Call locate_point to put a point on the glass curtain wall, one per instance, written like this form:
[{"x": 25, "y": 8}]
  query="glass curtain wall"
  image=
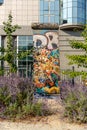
[
  {"x": 1, "y": 1},
  {"x": 74, "y": 11},
  {"x": 25, "y": 65},
  {"x": 49, "y": 11}
]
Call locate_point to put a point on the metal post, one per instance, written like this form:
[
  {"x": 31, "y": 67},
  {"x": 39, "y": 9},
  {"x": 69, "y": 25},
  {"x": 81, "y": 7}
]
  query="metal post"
[{"x": 73, "y": 77}]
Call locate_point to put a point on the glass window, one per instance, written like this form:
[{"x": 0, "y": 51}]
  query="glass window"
[
  {"x": 74, "y": 3},
  {"x": 46, "y": 19},
  {"x": 46, "y": 5},
  {"x": 24, "y": 43},
  {"x": 83, "y": 1},
  {"x": 83, "y": 6},
  {"x": 70, "y": 20},
  {"x": 80, "y": 13},
  {"x": 25, "y": 40},
  {"x": 64, "y": 5},
  {"x": 41, "y": 12},
  {"x": 52, "y": 5},
  {"x": 46, "y": 12},
  {"x": 41, "y": 5},
  {"x": 22, "y": 38},
  {"x": 52, "y": 12},
  {"x": 50, "y": 8},
  {"x": 56, "y": 5},
  {"x": 52, "y": 19},
  {"x": 21, "y": 43},
  {"x": 83, "y": 21},
  {"x": 1, "y": 1},
  {"x": 83, "y": 14},
  {"x": 74, "y": 20},
  {"x": 74, "y": 11},
  {"x": 80, "y": 0},
  {"x": 69, "y": 12},
  {"x": 70, "y": 0},
  {"x": 69, "y": 4},
  {"x": 64, "y": 13},
  {"x": 41, "y": 19},
  {"x": 64, "y": 1},
  {"x": 79, "y": 4},
  {"x": 56, "y": 19},
  {"x": 79, "y": 20},
  {"x": 56, "y": 13},
  {"x": 30, "y": 38},
  {"x": 23, "y": 48}
]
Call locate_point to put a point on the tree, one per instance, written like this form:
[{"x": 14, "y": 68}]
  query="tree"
[
  {"x": 10, "y": 52},
  {"x": 81, "y": 59}
]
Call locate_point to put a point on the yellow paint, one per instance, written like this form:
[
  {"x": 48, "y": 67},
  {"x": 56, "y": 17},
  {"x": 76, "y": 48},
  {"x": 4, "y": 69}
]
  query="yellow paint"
[{"x": 52, "y": 90}]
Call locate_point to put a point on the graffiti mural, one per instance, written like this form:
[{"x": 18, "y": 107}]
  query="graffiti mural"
[{"x": 46, "y": 65}]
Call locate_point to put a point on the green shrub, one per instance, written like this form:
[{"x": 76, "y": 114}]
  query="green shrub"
[
  {"x": 75, "y": 103},
  {"x": 5, "y": 96},
  {"x": 32, "y": 109},
  {"x": 16, "y": 98}
]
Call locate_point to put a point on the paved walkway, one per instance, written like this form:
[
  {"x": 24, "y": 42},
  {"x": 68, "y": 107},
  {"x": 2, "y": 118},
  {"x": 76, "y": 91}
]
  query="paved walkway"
[{"x": 55, "y": 125}]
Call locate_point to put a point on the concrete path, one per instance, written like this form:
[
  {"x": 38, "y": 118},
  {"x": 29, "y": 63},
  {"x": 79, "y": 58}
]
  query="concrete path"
[{"x": 41, "y": 126}]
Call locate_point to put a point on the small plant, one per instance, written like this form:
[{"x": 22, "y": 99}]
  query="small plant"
[
  {"x": 15, "y": 92},
  {"x": 1, "y": 71},
  {"x": 5, "y": 96},
  {"x": 32, "y": 109},
  {"x": 16, "y": 98},
  {"x": 75, "y": 102}
]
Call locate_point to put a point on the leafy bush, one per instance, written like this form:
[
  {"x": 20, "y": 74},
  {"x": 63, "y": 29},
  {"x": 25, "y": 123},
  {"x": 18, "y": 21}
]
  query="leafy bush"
[
  {"x": 33, "y": 109},
  {"x": 14, "y": 93},
  {"x": 75, "y": 101},
  {"x": 16, "y": 98},
  {"x": 14, "y": 111}
]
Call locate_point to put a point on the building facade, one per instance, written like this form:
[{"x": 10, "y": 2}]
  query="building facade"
[{"x": 39, "y": 18}]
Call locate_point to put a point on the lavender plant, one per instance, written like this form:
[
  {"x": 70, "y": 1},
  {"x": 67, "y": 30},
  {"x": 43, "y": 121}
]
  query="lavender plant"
[
  {"x": 75, "y": 101},
  {"x": 15, "y": 92},
  {"x": 16, "y": 98}
]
